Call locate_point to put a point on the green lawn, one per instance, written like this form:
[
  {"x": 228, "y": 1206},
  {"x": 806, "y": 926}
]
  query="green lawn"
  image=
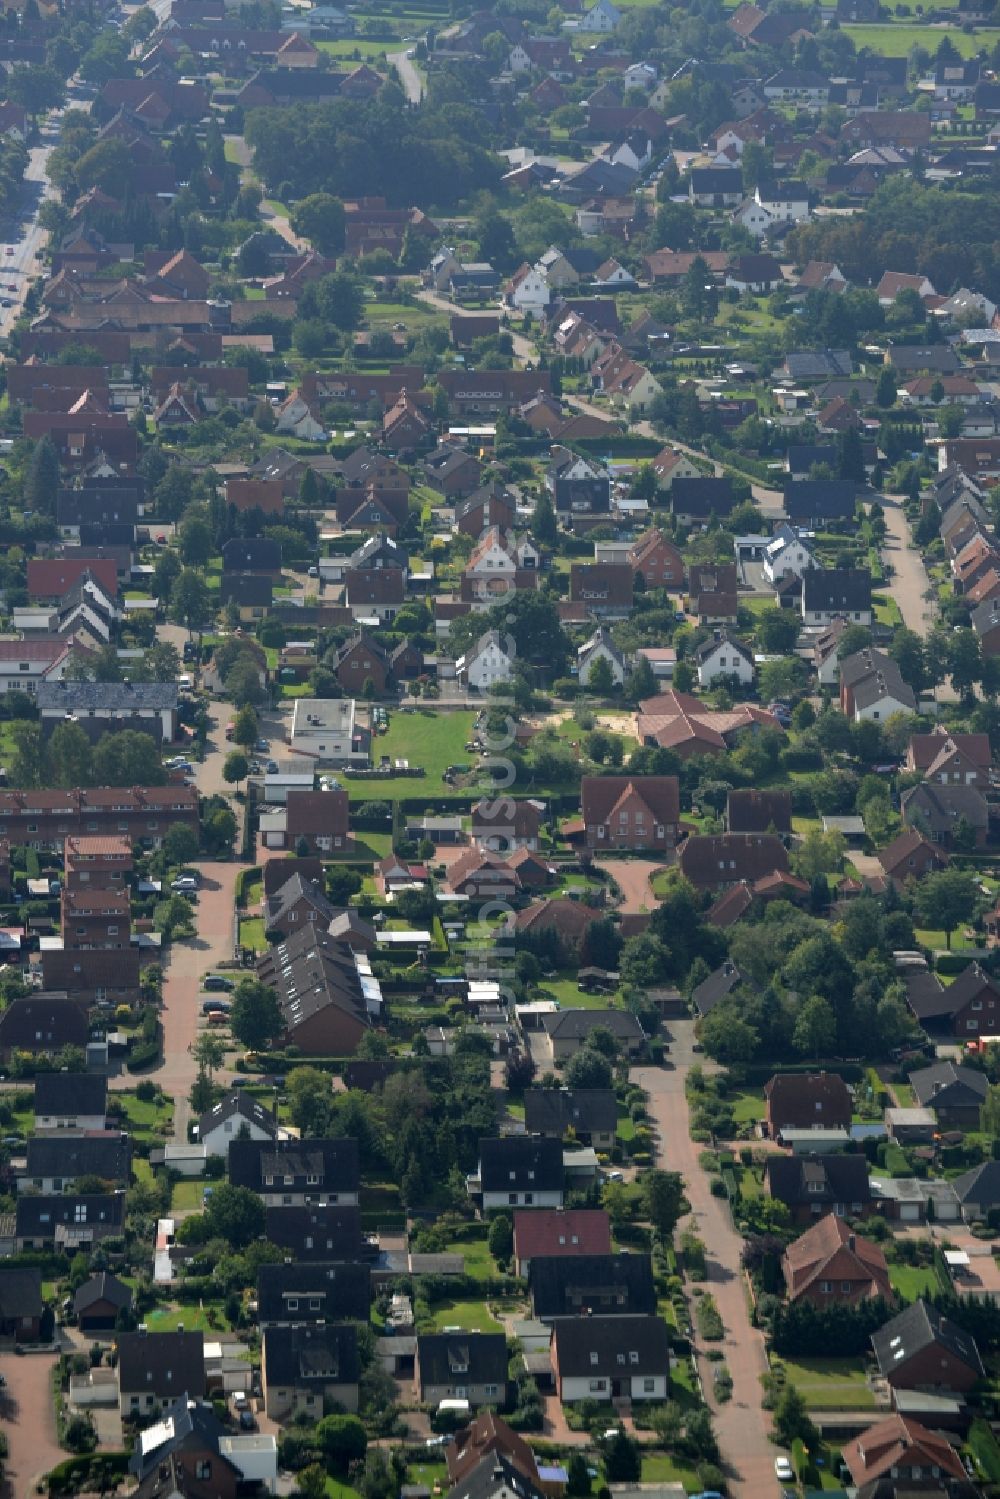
[
  {"x": 658, "y": 1467},
  {"x": 830, "y": 1383},
  {"x": 747, "y": 1107},
  {"x": 567, "y": 994},
  {"x": 428, "y": 738},
  {"x": 146, "y": 1120},
  {"x": 470, "y": 1316},
  {"x": 913, "y": 1281},
  {"x": 187, "y": 1195},
  {"x": 252, "y": 933},
  {"x": 935, "y": 938},
  {"x": 194, "y": 1318},
  {"x": 349, "y": 45},
  {"x": 479, "y": 1263},
  {"x": 897, "y": 41}
]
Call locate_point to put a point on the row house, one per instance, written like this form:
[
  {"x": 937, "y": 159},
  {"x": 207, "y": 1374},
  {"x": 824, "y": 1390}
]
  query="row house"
[{"x": 145, "y": 814}]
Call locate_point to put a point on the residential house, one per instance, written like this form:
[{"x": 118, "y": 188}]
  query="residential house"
[
  {"x": 569, "y": 1233},
  {"x": 821, "y": 504},
  {"x": 828, "y": 593},
  {"x": 872, "y": 686},
  {"x": 655, "y": 561},
  {"x": 589, "y": 1115},
  {"x": 600, "y": 647},
  {"x": 326, "y": 1292},
  {"x": 978, "y": 1191},
  {"x": 909, "y": 857},
  {"x": 298, "y": 903},
  {"x": 715, "y": 187},
  {"x": 520, "y": 1171},
  {"x": 899, "y": 1449},
  {"x": 722, "y": 657},
  {"x": 607, "y": 1358},
  {"x": 750, "y": 811},
  {"x": 567, "y": 1030},
  {"x": 236, "y": 1116},
  {"x": 951, "y": 759},
  {"x": 945, "y": 814},
  {"x": 488, "y": 1436},
  {"x": 968, "y": 1007},
  {"x": 289, "y": 1173},
  {"x": 919, "y": 1349},
  {"x": 507, "y": 823},
  {"x": 42, "y": 1024},
  {"x": 157, "y": 1367},
  {"x": 811, "y": 1185},
  {"x": 468, "y": 1366},
  {"x": 630, "y": 812},
  {"x": 21, "y": 1305},
  {"x": 328, "y": 995},
  {"x": 100, "y": 1301},
  {"x": 829, "y": 1265},
  {"x": 326, "y": 730},
  {"x": 801, "y": 1101},
  {"x": 712, "y": 861},
  {"x": 486, "y": 664},
  {"x": 696, "y": 501},
  {"x": 669, "y": 465},
  {"x": 58, "y": 1162},
  {"x": 955, "y": 1093},
  {"x": 787, "y": 554},
  {"x": 599, "y": 1285},
  {"x": 105, "y": 707},
  {"x": 73, "y": 1101},
  {"x": 67, "y": 1222},
  {"x": 316, "y": 1233},
  {"x": 304, "y": 1370},
  {"x": 756, "y": 274}
]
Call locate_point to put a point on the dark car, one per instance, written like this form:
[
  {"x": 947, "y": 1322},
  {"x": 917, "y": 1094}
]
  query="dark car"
[
  {"x": 218, "y": 981},
  {"x": 215, "y": 1007}
]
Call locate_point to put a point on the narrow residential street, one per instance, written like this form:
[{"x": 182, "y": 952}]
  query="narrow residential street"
[
  {"x": 741, "y": 1425},
  {"x": 409, "y": 76},
  {"x": 910, "y": 582}
]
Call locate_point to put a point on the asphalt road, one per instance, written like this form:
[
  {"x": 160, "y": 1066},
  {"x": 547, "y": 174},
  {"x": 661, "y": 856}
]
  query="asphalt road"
[
  {"x": 23, "y": 235},
  {"x": 910, "y": 581},
  {"x": 742, "y": 1426}
]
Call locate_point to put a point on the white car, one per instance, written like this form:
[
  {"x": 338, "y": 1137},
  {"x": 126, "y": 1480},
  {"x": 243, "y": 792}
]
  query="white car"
[
  {"x": 783, "y": 1470},
  {"x": 184, "y": 884}
]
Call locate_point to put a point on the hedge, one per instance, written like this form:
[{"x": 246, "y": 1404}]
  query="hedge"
[{"x": 73, "y": 1475}]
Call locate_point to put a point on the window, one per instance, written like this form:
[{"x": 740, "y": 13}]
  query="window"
[
  {"x": 845, "y": 1286},
  {"x": 648, "y": 1386},
  {"x": 203, "y": 1468},
  {"x": 293, "y": 1303},
  {"x": 593, "y": 1359}
]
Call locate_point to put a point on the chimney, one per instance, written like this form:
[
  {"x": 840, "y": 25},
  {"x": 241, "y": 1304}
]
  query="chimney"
[{"x": 851, "y": 1242}]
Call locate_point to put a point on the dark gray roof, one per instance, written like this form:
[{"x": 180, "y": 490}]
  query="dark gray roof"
[
  {"x": 250, "y": 554},
  {"x": 316, "y": 1231},
  {"x": 712, "y": 644},
  {"x": 102, "y": 1287},
  {"x": 980, "y": 1186},
  {"x": 702, "y": 497},
  {"x": 107, "y": 1156},
  {"x": 20, "y": 1291},
  {"x": 805, "y": 1180},
  {"x": 929, "y": 999},
  {"x": 937, "y": 359},
  {"x": 843, "y": 589},
  {"x": 44, "y": 1023},
  {"x": 324, "y": 1291},
  {"x": 186, "y": 1426},
  {"x": 818, "y": 364},
  {"x": 550, "y": 1111},
  {"x": 611, "y": 1284},
  {"x": 253, "y": 589},
  {"x": 598, "y": 1346},
  {"x": 107, "y": 697},
  {"x": 519, "y": 1163},
  {"x": 948, "y": 1083},
  {"x": 311, "y": 970},
  {"x": 480, "y": 1356},
  {"x": 577, "y": 1025},
  {"x": 334, "y": 1162},
  {"x": 717, "y": 987},
  {"x": 98, "y": 1213},
  {"x": 70, "y": 1093},
  {"x": 825, "y": 499},
  {"x": 309, "y": 1357},
  {"x": 164, "y": 1364},
  {"x": 916, "y": 1328},
  {"x": 296, "y": 889},
  {"x": 237, "y": 1105},
  {"x": 936, "y": 809},
  {"x": 801, "y": 457}
]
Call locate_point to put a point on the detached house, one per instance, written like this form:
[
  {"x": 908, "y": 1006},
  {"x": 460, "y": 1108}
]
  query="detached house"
[
  {"x": 723, "y": 657},
  {"x": 303, "y": 1370},
  {"x": 573, "y": 1233},
  {"x": 833, "y": 592},
  {"x": 157, "y": 1367},
  {"x": 810, "y": 1185},
  {"x": 519, "y": 1171},
  {"x": 608, "y": 1358},
  {"x": 922, "y": 1350},
  {"x": 806, "y": 1101},
  {"x": 630, "y": 812},
  {"x": 829, "y": 1265},
  {"x": 468, "y": 1366}
]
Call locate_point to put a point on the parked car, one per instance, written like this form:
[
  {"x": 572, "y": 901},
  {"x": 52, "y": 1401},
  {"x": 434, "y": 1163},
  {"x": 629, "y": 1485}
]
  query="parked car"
[
  {"x": 783, "y": 1470},
  {"x": 217, "y": 981},
  {"x": 215, "y": 1007},
  {"x": 184, "y": 885}
]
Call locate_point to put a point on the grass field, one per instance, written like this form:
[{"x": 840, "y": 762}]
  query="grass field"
[
  {"x": 897, "y": 41},
  {"x": 830, "y": 1383},
  {"x": 566, "y": 993},
  {"x": 431, "y": 739},
  {"x": 357, "y": 48},
  {"x": 470, "y": 1316},
  {"x": 193, "y": 1318},
  {"x": 146, "y": 1120},
  {"x": 657, "y": 1467},
  {"x": 748, "y": 1106},
  {"x": 478, "y": 1260}
]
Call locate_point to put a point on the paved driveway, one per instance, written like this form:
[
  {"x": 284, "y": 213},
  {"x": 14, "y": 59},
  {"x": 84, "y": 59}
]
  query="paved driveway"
[
  {"x": 28, "y": 1419},
  {"x": 742, "y": 1426},
  {"x": 633, "y": 876}
]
